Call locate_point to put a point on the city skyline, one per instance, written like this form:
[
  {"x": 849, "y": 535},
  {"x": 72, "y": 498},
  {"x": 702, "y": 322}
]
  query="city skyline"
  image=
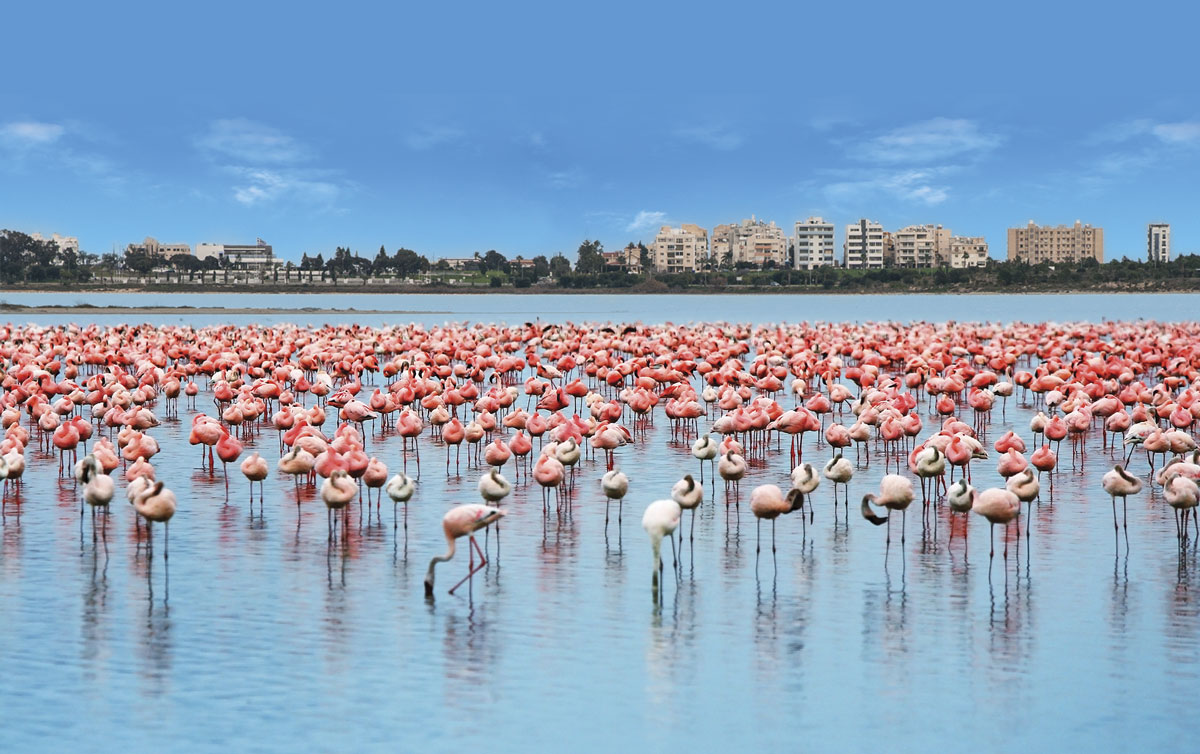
[{"x": 393, "y": 141}]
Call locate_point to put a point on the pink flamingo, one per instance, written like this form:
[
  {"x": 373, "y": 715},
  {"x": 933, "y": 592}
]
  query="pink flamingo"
[{"x": 463, "y": 521}]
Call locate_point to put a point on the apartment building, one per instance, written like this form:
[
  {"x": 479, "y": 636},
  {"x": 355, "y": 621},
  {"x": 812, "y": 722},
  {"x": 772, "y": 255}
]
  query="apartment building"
[
  {"x": 751, "y": 241},
  {"x": 968, "y": 251},
  {"x": 682, "y": 249},
  {"x": 1158, "y": 242},
  {"x": 1035, "y": 244},
  {"x": 920, "y": 246},
  {"x": 64, "y": 243},
  {"x": 812, "y": 244},
  {"x": 863, "y": 247}
]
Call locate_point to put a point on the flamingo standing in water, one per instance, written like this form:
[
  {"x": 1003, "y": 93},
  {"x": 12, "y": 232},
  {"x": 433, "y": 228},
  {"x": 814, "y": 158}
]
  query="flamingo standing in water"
[
  {"x": 463, "y": 521},
  {"x": 156, "y": 503},
  {"x": 337, "y": 491},
  {"x": 254, "y": 469},
  {"x": 998, "y": 506},
  {"x": 805, "y": 481},
  {"x": 1182, "y": 494},
  {"x": 661, "y": 519},
  {"x": 839, "y": 471},
  {"x": 689, "y": 495},
  {"x": 895, "y": 494},
  {"x": 705, "y": 449},
  {"x": 615, "y": 484},
  {"x": 400, "y": 489},
  {"x": 768, "y": 502},
  {"x": 1120, "y": 483}
]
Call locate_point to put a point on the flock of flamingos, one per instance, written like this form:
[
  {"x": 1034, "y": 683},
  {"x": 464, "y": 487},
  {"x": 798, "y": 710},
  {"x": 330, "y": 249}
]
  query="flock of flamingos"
[{"x": 541, "y": 402}]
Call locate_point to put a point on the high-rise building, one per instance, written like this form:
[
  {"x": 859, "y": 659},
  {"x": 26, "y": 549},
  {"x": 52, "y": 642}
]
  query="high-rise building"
[
  {"x": 812, "y": 244},
  {"x": 921, "y": 246},
  {"x": 682, "y": 249},
  {"x": 1158, "y": 242},
  {"x": 752, "y": 241},
  {"x": 1035, "y": 244},
  {"x": 968, "y": 251},
  {"x": 863, "y": 247}
]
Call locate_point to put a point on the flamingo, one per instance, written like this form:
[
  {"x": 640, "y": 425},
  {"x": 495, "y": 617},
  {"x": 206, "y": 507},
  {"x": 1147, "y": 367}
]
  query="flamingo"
[
  {"x": 688, "y": 494},
  {"x": 895, "y": 494},
  {"x": 254, "y": 468},
  {"x": 768, "y": 502},
  {"x": 998, "y": 506},
  {"x": 661, "y": 519},
  {"x": 1120, "y": 483},
  {"x": 463, "y": 521},
  {"x": 156, "y": 503},
  {"x": 1182, "y": 494},
  {"x": 705, "y": 449},
  {"x": 615, "y": 484},
  {"x": 337, "y": 491},
  {"x": 805, "y": 481},
  {"x": 400, "y": 489},
  {"x": 839, "y": 471}
]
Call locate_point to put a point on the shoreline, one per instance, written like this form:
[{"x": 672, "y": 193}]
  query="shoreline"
[{"x": 485, "y": 291}]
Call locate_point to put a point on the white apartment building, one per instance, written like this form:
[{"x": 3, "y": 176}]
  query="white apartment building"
[
  {"x": 863, "y": 247},
  {"x": 752, "y": 241},
  {"x": 682, "y": 249},
  {"x": 921, "y": 246},
  {"x": 812, "y": 244},
  {"x": 1158, "y": 242},
  {"x": 968, "y": 251},
  {"x": 64, "y": 243}
]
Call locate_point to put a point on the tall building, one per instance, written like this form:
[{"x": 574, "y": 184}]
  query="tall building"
[
  {"x": 812, "y": 244},
  {"x": 863, "y": 247},
  {"x": 152, "y": 247},
  {"x": 1158, "y": 242},
  {"x": 682, "y": 249},
  {"x": 752, "y": 241},
  {"x": 968, "y": 251},
  {"x": 1035, "y": 244},
  {"x": 64, "y": 243},
  {"x": 921, "y": 246}
]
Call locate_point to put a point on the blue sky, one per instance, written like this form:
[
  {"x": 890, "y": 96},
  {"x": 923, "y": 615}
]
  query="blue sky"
[{"x": 528, "y": 127}]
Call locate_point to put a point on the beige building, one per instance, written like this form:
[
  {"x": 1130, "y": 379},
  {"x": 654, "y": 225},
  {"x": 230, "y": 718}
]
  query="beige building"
[
  {"x": 921, "y": 246},
  {"x": 152, "y": 247},
  {"x": 1035, "y": 244},
  {"x": 682, "y": 249},
  {"x": 812, "y": 244},
  {"x": 64, "y": 243},
  {"x": 628, "y": 259},
  {"x": 864, "y": 245},
  {"x": 241, "y": 256},
  {"x": 751, "y": 241},
  {"x": 1158, "y": 242},
  {"x": 968, "y": 251}
]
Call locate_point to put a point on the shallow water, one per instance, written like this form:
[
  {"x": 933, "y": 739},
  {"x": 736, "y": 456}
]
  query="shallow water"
[
  {"x": 439, "y": 308},
  {"x": 261, "y": 635}
]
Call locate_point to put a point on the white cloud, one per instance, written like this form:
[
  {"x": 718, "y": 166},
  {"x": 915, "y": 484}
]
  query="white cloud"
[
  {"x": 250, "y": 142},
  {"x": 647, "y": 220},
  {"x": 928, "y": 141},
  {"x": 1187, "y": 132},
  {"x": 1177, "y": 133},
  {"x": 432, "y": 136},
  {"x": 21, "y": 135},
  {"x": 565, "y": 179},
  {"x": 262, "y": 186},
  {"x": 917, "y": 186},
  {"x": 712, "y": 136}
]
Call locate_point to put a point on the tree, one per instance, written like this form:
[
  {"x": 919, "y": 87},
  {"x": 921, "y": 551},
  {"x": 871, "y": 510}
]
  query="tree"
[
  {"x": 541, "y": 267},
  {"x": 645, "y": 260},
  {"x": 559, "y": 266},
  {"x": 494, "y": 261},
  {"x": 139, "y": 262},
  {"x": 382, "y": 263},
  {"x": 589, "y": 261}
]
